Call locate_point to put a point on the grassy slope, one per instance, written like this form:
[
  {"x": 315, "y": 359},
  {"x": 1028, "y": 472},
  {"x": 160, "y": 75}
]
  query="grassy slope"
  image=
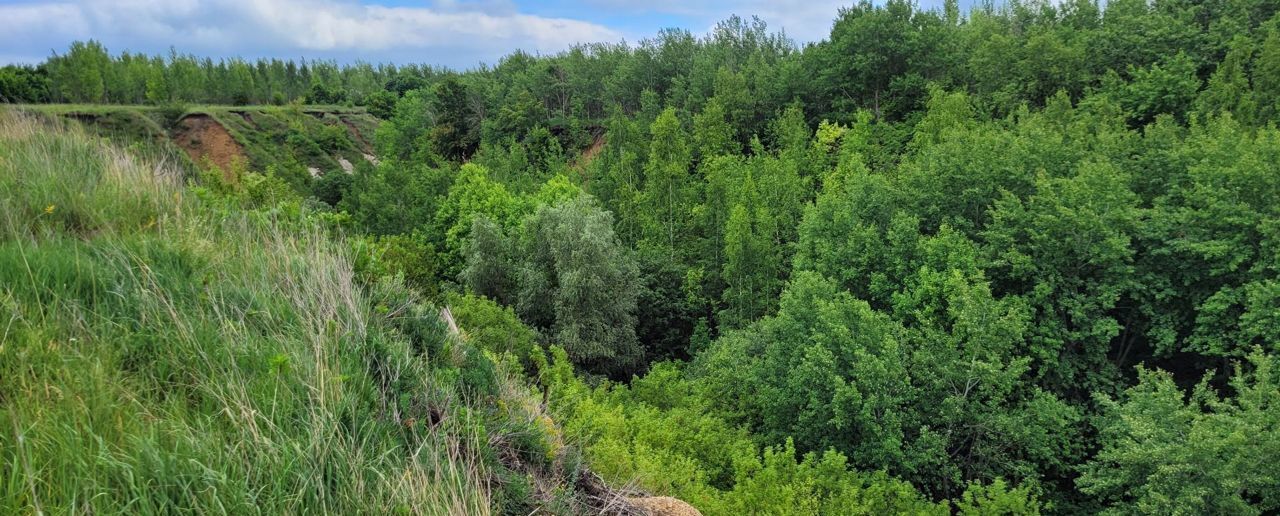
[
  {"x": 159, "y": 354},
  {"x": 291, "y": 136}
]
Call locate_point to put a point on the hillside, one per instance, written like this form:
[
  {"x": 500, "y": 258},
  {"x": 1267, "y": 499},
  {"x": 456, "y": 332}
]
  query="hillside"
[
  {"x": 293, "y": 140},
  {"x": 165, "y": 350}
]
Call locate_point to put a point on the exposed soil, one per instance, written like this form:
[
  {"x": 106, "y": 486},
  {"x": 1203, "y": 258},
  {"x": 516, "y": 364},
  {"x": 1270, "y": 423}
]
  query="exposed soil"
[
  {"x": 589, "y": 154},
  {"x": 355, "y": 133},
  {"x": 203, "y": 137}
]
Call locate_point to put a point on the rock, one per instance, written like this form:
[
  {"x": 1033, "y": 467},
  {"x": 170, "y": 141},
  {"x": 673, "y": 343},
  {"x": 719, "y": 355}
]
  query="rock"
[{"x": 664, "y": 506}]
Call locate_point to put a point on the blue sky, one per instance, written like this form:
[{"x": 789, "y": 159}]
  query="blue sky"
[{"x": 456, "y": 33}]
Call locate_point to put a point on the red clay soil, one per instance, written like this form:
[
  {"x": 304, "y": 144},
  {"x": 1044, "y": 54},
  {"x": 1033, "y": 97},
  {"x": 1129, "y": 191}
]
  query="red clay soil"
[{"x": 203, "y": 137}]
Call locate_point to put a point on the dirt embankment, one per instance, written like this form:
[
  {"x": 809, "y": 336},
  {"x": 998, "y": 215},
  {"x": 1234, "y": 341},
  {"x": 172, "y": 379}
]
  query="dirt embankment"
[{"x": 203, "y": 137}]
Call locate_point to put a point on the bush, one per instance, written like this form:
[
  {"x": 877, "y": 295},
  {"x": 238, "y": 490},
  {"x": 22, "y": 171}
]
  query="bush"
[
  {"x": 493, "y": 327},
  {"x": 332, "y": 187},
  {"x": 381, "y": 104}
]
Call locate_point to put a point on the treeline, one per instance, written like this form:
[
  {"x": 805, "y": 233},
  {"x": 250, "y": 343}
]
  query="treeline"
[
  {"x": 88, "y": 73},
  {"x": 1022, "y": 258}
]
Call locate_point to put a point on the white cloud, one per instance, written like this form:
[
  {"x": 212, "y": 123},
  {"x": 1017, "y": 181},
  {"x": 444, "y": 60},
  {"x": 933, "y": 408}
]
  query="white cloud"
[
  {"x": 803, "y": 20},
  {"x": 448, "y": 32}
]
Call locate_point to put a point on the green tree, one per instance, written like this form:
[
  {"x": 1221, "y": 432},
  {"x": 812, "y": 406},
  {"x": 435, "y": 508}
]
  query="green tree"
[
  {"x": 712, "y": 134},
  {"x": 1266, "y": 75},
  {"x": 494, "y": 327},
  {"x": 666, "y": 182},
  {"x": 158, "y": 91},
  {"x": 491, "y": 268},
  {"x": 751, "y": 269},
  {"x": 1068, "y": 250},
  {"x": 79, "y": 75},
  {"x": 21, "y": 84},
  {"x": 455, "y": 132},
  {"x": 473, "y": 194},
  {"x": 381, "y": 103},
  {"x": 395, "y": 198},
  {"x": 1228, "y": 90},
  {"x": 1168, "y": 88},
  {"x": 1163, "y": 453},
  {"x": 579, "y": 285}
]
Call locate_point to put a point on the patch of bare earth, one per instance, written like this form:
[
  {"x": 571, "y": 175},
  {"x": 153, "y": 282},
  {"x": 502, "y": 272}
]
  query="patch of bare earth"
[
  {"x": 365, "y": 147},
  {"x": 204, "y": 138},
  {"x": 589, "y": 154}
]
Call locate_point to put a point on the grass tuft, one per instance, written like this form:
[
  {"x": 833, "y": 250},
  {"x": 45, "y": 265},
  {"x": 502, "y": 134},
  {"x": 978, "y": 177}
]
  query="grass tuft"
[{"x": 160, "y": 356}]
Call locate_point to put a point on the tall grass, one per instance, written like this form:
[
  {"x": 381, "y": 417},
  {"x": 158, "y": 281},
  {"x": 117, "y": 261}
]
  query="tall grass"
[{"x": 159, "y": 356}]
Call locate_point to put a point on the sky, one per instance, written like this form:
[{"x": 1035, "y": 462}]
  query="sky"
[{"x": 456, "y": 33}]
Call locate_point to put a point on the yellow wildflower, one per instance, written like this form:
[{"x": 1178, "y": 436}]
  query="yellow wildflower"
[{"x": 48, "y": 210}]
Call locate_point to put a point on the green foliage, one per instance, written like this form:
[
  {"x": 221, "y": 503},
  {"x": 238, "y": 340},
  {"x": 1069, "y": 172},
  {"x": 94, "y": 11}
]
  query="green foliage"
[
  {"x": 455, "y": 131},
  {"x": 494, "y": 328},
  {"x": 579, "y": 285},
  {"x": 831, "y": 372},
  {"x": 394, "y": 198},
  {"x": 333, "y": 187},
  {"x": 80, "y": 74},
  {"x": 1088, "y": 219},
  {"x": 567, "y": 276},
  {"x": 472, "y": 195},
  {"x": 1163, "y": 453},
  {"x": 666, "y": 184},
  {"x": 660, "y": 434},
  {"x": 381, "y": 104},
  {"x": 1168, "y": 88},
  {"x": 713, "y": 136},
  {"x": 666, "y": 309},
  {"x": 24, "y": 84},
  {"x": 406, "y": 256},
  {"x": 750, "y": 268},
  {"x": 1228, "y": 89}
]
